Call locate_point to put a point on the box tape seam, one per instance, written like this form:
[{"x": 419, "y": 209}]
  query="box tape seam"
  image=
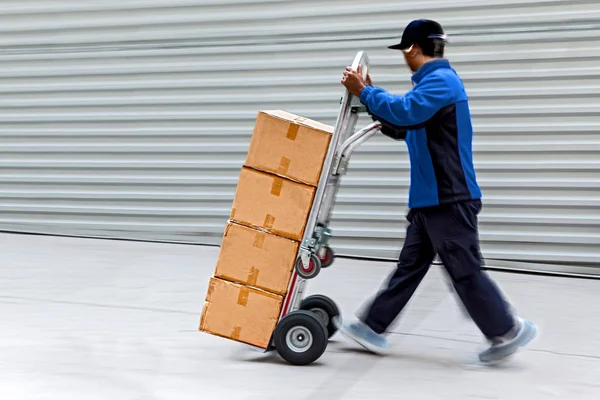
[
  {"x": 292, "y": 132},
  {"x": 259, "y": 240},
  {"x": 277, "y": 186},
  {"x": 269, "y": 221},
  {"x": 237, "y": 330},
  {"x": 284, "y": 165},
  {"x": 243, "y": 296},
  {"x": 253, "y": 276}
]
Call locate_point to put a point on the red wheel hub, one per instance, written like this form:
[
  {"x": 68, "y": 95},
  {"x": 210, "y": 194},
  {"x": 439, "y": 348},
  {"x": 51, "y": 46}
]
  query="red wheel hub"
[
  {"x": 310, "y": 267},
  {"x": 325, "y": 258}
]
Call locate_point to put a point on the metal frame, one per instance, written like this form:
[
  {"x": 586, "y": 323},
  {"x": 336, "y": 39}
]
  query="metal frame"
[{"x": 343, "y": 143}]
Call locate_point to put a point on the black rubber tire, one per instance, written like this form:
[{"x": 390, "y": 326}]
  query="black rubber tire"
[
  {"x": 308, "y": 330},
  {"x": 323, "y": 304},
  {"x": 328, "y": 259},
  {"x": 315, "y": 267}
]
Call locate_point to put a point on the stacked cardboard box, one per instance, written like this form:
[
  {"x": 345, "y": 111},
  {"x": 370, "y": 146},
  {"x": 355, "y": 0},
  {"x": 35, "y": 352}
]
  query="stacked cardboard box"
[{"x": 273, "y": 199}]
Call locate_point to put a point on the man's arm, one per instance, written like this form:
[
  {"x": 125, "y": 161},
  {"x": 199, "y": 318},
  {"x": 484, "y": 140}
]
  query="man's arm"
[
  {"x": 414, "y": 108},
  {"x": 390, "y": 130}
]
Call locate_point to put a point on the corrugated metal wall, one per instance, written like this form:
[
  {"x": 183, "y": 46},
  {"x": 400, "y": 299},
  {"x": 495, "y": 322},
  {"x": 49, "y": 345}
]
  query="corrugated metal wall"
[{"x": 132, "y": 118}]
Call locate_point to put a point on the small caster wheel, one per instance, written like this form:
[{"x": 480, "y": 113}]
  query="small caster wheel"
[
  {"x": 312, "y": 270},
  {"x": 327, "y": 258},
  {"x": 300, "y": 338},
  {"x": 324, "y": 308}
]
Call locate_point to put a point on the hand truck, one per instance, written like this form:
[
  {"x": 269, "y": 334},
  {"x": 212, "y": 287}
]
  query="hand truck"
[{"x": 305, "y": 325}]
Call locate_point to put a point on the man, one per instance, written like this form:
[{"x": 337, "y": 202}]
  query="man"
[{"x": 444, "y": 199}]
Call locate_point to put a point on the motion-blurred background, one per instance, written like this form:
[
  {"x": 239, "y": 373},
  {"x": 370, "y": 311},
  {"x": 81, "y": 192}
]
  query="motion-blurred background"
[{"x": 131, "y": 119}]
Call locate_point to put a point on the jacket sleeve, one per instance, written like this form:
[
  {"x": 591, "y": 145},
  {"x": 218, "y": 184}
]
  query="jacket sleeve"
[
  {"x": 390, "y": 130},
  {"x": 394, "y": 132},
  {"x": 415, "y": 107}
]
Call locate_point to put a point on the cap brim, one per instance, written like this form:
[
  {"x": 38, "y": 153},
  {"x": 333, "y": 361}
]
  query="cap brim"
[{"x": 399, "y": 46}]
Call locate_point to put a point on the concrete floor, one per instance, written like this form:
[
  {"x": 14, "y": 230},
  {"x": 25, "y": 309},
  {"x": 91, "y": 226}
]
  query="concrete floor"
[{"x": 93, "y": 319}]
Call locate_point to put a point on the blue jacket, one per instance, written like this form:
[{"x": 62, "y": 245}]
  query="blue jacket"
[{"x": 435, "y": 121}]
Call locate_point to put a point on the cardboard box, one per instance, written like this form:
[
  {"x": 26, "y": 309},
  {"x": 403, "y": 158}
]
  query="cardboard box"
[
  {"x": 272, "y": 203},
  {"x": 240, "y": 313},
  {"x": 256, "y": 259},
  {"x": 290, "y": 146}
]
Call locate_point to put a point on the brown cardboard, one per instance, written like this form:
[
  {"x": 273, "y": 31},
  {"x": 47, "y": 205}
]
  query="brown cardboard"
[
  {"x": 255, "y": 258},
  {"x": 288, "y": 145},
  {"x": 275, "y": 204},
  {"x": 240, "y": 313}
]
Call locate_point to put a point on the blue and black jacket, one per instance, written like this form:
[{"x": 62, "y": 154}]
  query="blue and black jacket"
[{"x": 435, "y": 121}]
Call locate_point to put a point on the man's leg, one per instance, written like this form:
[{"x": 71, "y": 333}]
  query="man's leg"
[
  {"x": 455, "y": 235},
  {"x": 415, "y": 259}
]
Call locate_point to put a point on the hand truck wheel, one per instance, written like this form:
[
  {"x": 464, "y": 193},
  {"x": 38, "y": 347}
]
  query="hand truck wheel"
[
  {"x": 324, "y": 308},
  {"x": 327, "y": 258},
  {"x": 312, "y": 270},
  {"x": 300, "y": 338}
]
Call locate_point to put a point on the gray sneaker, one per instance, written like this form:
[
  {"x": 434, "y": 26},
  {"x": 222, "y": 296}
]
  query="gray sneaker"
[
  {"x": 363, "y": 335},
  {"x": 503, "y": 347}
]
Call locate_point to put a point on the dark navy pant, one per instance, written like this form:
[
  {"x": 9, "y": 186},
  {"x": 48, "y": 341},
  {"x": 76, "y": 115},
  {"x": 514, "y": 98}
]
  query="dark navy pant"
[{"x": 452, "y": 232}]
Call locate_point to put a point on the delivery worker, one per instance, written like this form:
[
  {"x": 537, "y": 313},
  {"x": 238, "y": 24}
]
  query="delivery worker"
[{"x": 444, "y": 198}]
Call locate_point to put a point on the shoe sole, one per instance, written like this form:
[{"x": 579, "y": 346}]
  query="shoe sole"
[
  {"x": 511, "y": 350},
  {"x": 349, "y": 334}
]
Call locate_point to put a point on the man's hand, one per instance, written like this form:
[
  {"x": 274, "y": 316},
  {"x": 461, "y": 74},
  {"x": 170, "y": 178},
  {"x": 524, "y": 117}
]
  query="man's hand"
[{"x": 354, "y": 81}]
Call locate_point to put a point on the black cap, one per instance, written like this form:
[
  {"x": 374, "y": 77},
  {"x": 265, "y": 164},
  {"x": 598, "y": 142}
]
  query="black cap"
[{"x": 417, "y": 32}]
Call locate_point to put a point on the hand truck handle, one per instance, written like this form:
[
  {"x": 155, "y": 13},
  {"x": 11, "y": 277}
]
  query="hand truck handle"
[
  {"x": 344, "y": 126},
  {"x": 361, "y": 59},
  {"x": 354, "y": 141}
]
